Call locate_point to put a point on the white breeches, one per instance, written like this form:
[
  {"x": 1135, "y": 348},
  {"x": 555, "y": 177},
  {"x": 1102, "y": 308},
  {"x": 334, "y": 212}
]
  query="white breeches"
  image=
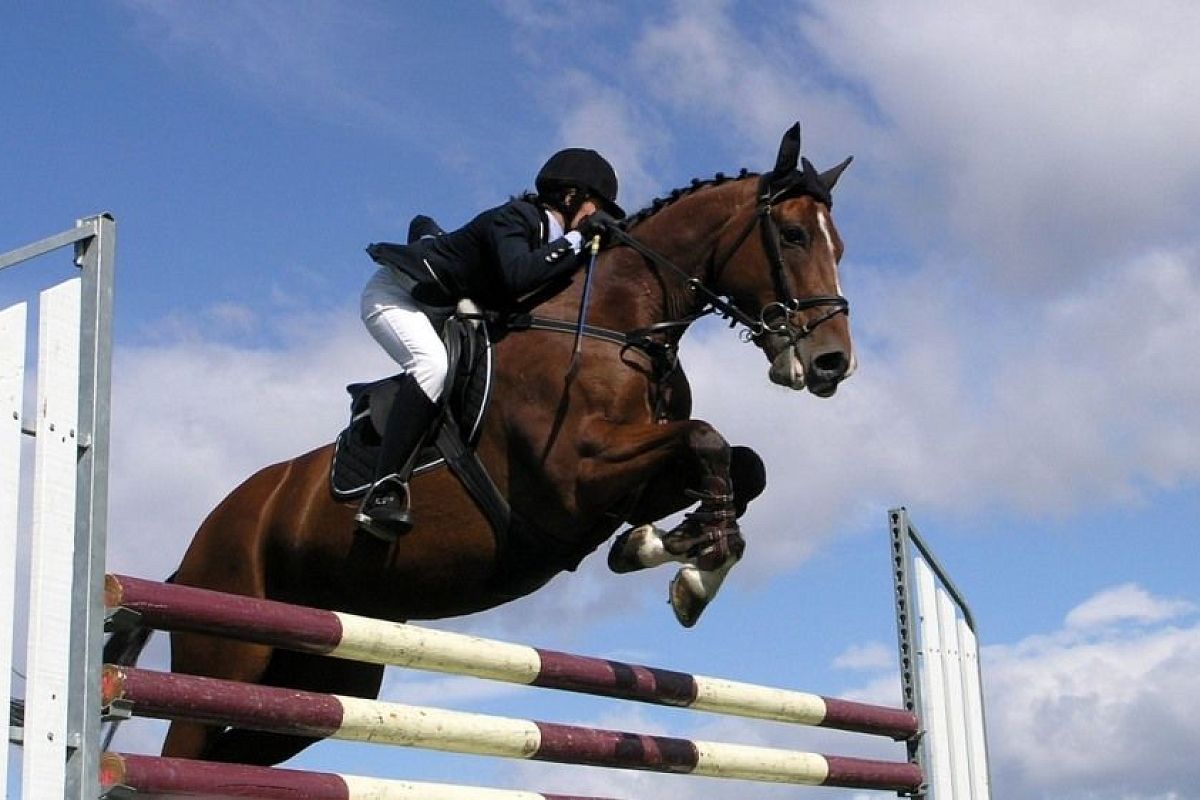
[{"x": 395, "y": 320}]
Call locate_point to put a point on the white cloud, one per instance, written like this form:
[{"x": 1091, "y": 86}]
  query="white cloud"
[
  {"x": 870, "y": 656},
  {"x": 1098, "y": 717},
  {"x": 1126, "y": 603},
  {"x": 1047, "y": 135}
]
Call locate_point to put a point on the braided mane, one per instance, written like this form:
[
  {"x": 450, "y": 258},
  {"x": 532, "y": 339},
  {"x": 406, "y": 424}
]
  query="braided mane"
[{"x": 662, "y": 202}]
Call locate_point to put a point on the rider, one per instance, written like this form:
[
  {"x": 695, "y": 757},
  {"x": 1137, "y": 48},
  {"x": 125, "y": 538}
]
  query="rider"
[{"x": 496, "y": 259}]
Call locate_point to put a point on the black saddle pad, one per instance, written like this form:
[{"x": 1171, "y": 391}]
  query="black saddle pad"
[{"x": 357, "y": 447}]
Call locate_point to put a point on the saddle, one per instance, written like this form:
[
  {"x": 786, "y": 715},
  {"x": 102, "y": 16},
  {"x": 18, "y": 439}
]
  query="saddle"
[{"x": 454, "y": 435}]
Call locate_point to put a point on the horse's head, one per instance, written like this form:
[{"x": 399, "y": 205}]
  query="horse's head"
[{"x": 782, "y": 270}]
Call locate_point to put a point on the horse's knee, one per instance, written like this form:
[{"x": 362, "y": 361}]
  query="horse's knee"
[
  {"x": 712, "y": 453},
  {"x": 748, "y": 474},
  {"x": 707, "y": 442}
]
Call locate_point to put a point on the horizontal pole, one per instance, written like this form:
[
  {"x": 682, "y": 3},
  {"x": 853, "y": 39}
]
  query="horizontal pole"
[
  {"x": 291, "y": 712},
  {"x": 170, "y": 778},
  {"x": 183, "y": 608},
  {"x": 85, "y": 230}
]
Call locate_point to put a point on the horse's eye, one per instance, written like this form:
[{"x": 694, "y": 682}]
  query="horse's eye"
[{"x": 795, "y": 236}]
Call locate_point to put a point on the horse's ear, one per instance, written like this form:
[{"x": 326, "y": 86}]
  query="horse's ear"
[
  {"x": 829, "y": 177},
  {"x": 811, "y": 177},
  {"x": 789, "y": 152}
]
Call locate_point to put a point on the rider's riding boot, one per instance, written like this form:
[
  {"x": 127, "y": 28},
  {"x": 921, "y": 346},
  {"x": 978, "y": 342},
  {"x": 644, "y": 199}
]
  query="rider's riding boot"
[
  {"x": 423, "y": 227},
  {"x": 386, "y": 511}
]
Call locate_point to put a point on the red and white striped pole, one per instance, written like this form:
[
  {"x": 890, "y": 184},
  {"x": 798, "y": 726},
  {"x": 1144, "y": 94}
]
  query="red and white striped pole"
[
  {"x": 167, "y": 778},
  {"x": 183, "y": 608},
  {"x": 292, "y": 712}
]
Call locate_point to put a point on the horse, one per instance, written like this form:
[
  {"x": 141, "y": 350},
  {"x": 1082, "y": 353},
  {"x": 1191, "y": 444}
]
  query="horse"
[{"x": 579, "y": 443}]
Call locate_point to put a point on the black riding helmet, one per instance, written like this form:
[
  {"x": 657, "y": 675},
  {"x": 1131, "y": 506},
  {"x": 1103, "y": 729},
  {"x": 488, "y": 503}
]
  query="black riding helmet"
[{"x": 587, "y": 169}]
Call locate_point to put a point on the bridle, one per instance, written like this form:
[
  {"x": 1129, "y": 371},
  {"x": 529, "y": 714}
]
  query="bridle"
[{"x": 775, "y": 318}]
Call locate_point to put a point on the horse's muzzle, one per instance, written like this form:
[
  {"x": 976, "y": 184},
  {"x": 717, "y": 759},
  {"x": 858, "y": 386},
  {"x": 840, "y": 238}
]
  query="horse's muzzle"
[{"x": 820, "y": 374}]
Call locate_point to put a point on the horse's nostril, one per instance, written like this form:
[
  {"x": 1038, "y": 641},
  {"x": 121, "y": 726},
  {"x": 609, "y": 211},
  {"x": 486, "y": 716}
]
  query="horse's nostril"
[{"x": 831, "y": 364}]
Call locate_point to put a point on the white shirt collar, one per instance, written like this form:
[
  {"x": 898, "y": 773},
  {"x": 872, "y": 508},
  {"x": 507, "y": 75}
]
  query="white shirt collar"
[{"x": 554, "y": 228}]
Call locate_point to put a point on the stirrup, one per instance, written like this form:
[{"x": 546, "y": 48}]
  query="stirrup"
[{"x": 386, "y": 511}]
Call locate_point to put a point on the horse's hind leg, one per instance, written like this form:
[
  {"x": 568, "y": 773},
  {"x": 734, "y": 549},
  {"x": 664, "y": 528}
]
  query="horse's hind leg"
[{"x": 195, "y": 654}]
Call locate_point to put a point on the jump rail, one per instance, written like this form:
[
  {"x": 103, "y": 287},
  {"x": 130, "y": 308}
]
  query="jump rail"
[
  {"x": 183, "y": 608},
  {"x": 168, "y": 778},
  {"x": 166, "y": 695}
]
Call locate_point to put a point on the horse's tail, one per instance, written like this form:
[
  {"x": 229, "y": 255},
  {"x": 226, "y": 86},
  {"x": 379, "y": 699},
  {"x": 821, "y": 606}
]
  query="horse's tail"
[{"x": 123, "y": 648}]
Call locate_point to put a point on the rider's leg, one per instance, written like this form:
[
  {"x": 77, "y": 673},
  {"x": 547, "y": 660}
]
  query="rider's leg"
[
  {"x": 403, "y": 330},
  {"x": 386, "y": 509}
]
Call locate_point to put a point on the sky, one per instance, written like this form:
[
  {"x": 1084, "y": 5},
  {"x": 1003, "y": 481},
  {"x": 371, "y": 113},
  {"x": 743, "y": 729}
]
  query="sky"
[{"x": 1021, "y": 260}]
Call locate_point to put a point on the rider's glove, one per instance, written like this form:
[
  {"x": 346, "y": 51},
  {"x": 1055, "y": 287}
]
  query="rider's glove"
[{"x": 598, "y": 223}]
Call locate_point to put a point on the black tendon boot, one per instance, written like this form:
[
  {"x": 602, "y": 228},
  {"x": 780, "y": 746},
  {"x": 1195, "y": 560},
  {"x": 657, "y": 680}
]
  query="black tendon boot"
[{"x": 386, "y": 509}]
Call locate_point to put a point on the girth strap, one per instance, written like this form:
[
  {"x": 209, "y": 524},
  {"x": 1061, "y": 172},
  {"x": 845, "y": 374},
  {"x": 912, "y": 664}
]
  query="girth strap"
[
  {"x": 536, "y": 323},
  {"x": 467, "y": 467}
]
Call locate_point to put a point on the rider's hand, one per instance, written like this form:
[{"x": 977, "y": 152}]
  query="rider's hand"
[{"x": 598, "y": 223}]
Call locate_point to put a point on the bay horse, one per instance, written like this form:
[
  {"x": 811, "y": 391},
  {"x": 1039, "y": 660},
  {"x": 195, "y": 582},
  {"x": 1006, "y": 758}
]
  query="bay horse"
[{"x": 578, "y": 449}]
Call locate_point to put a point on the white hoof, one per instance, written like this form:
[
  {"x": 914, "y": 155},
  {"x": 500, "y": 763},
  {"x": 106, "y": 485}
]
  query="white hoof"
[
  {"x": 692, "y": 589},
  {"x": 638, "y": 548},
  {"x": 689, "y": 596}
]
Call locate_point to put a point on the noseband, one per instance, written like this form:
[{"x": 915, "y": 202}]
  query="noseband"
[{"x": 774, "y": 318}]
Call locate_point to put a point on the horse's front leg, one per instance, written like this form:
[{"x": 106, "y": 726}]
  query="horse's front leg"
[
  {"x": 672, "y": 465},
  {"x": 646, "y": 545}
]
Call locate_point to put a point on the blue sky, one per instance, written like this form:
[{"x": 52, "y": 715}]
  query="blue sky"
[{"x": 1021, "y": 261}]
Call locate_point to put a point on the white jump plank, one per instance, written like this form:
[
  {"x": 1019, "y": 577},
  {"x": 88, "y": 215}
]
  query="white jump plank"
[
  {"x": 960, "y": 769},
  {"x": 973, "y": 701},
  {"x": 52, "y": 547},
  {"x": 933, "y": 713},
  {"x": 12, "y": 384}
]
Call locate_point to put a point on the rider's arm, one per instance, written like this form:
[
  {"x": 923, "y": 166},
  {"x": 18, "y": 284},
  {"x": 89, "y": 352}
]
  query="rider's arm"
[{"x": 515, "y": 231}]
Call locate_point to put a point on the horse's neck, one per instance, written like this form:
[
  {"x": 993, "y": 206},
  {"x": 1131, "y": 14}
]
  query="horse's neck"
[{"x": 686, "y": 233}]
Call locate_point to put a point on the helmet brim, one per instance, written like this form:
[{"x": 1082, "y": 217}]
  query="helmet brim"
[{"x": 611, "y": 208}]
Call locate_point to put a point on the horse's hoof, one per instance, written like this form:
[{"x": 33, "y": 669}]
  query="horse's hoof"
[
  {"x": 688, "y": 596},
  {"x": 637, "y": 548}
]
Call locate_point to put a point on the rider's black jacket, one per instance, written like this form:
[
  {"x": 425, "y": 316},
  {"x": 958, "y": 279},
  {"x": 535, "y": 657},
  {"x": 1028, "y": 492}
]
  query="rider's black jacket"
[{"x": 495, "y": 259}]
